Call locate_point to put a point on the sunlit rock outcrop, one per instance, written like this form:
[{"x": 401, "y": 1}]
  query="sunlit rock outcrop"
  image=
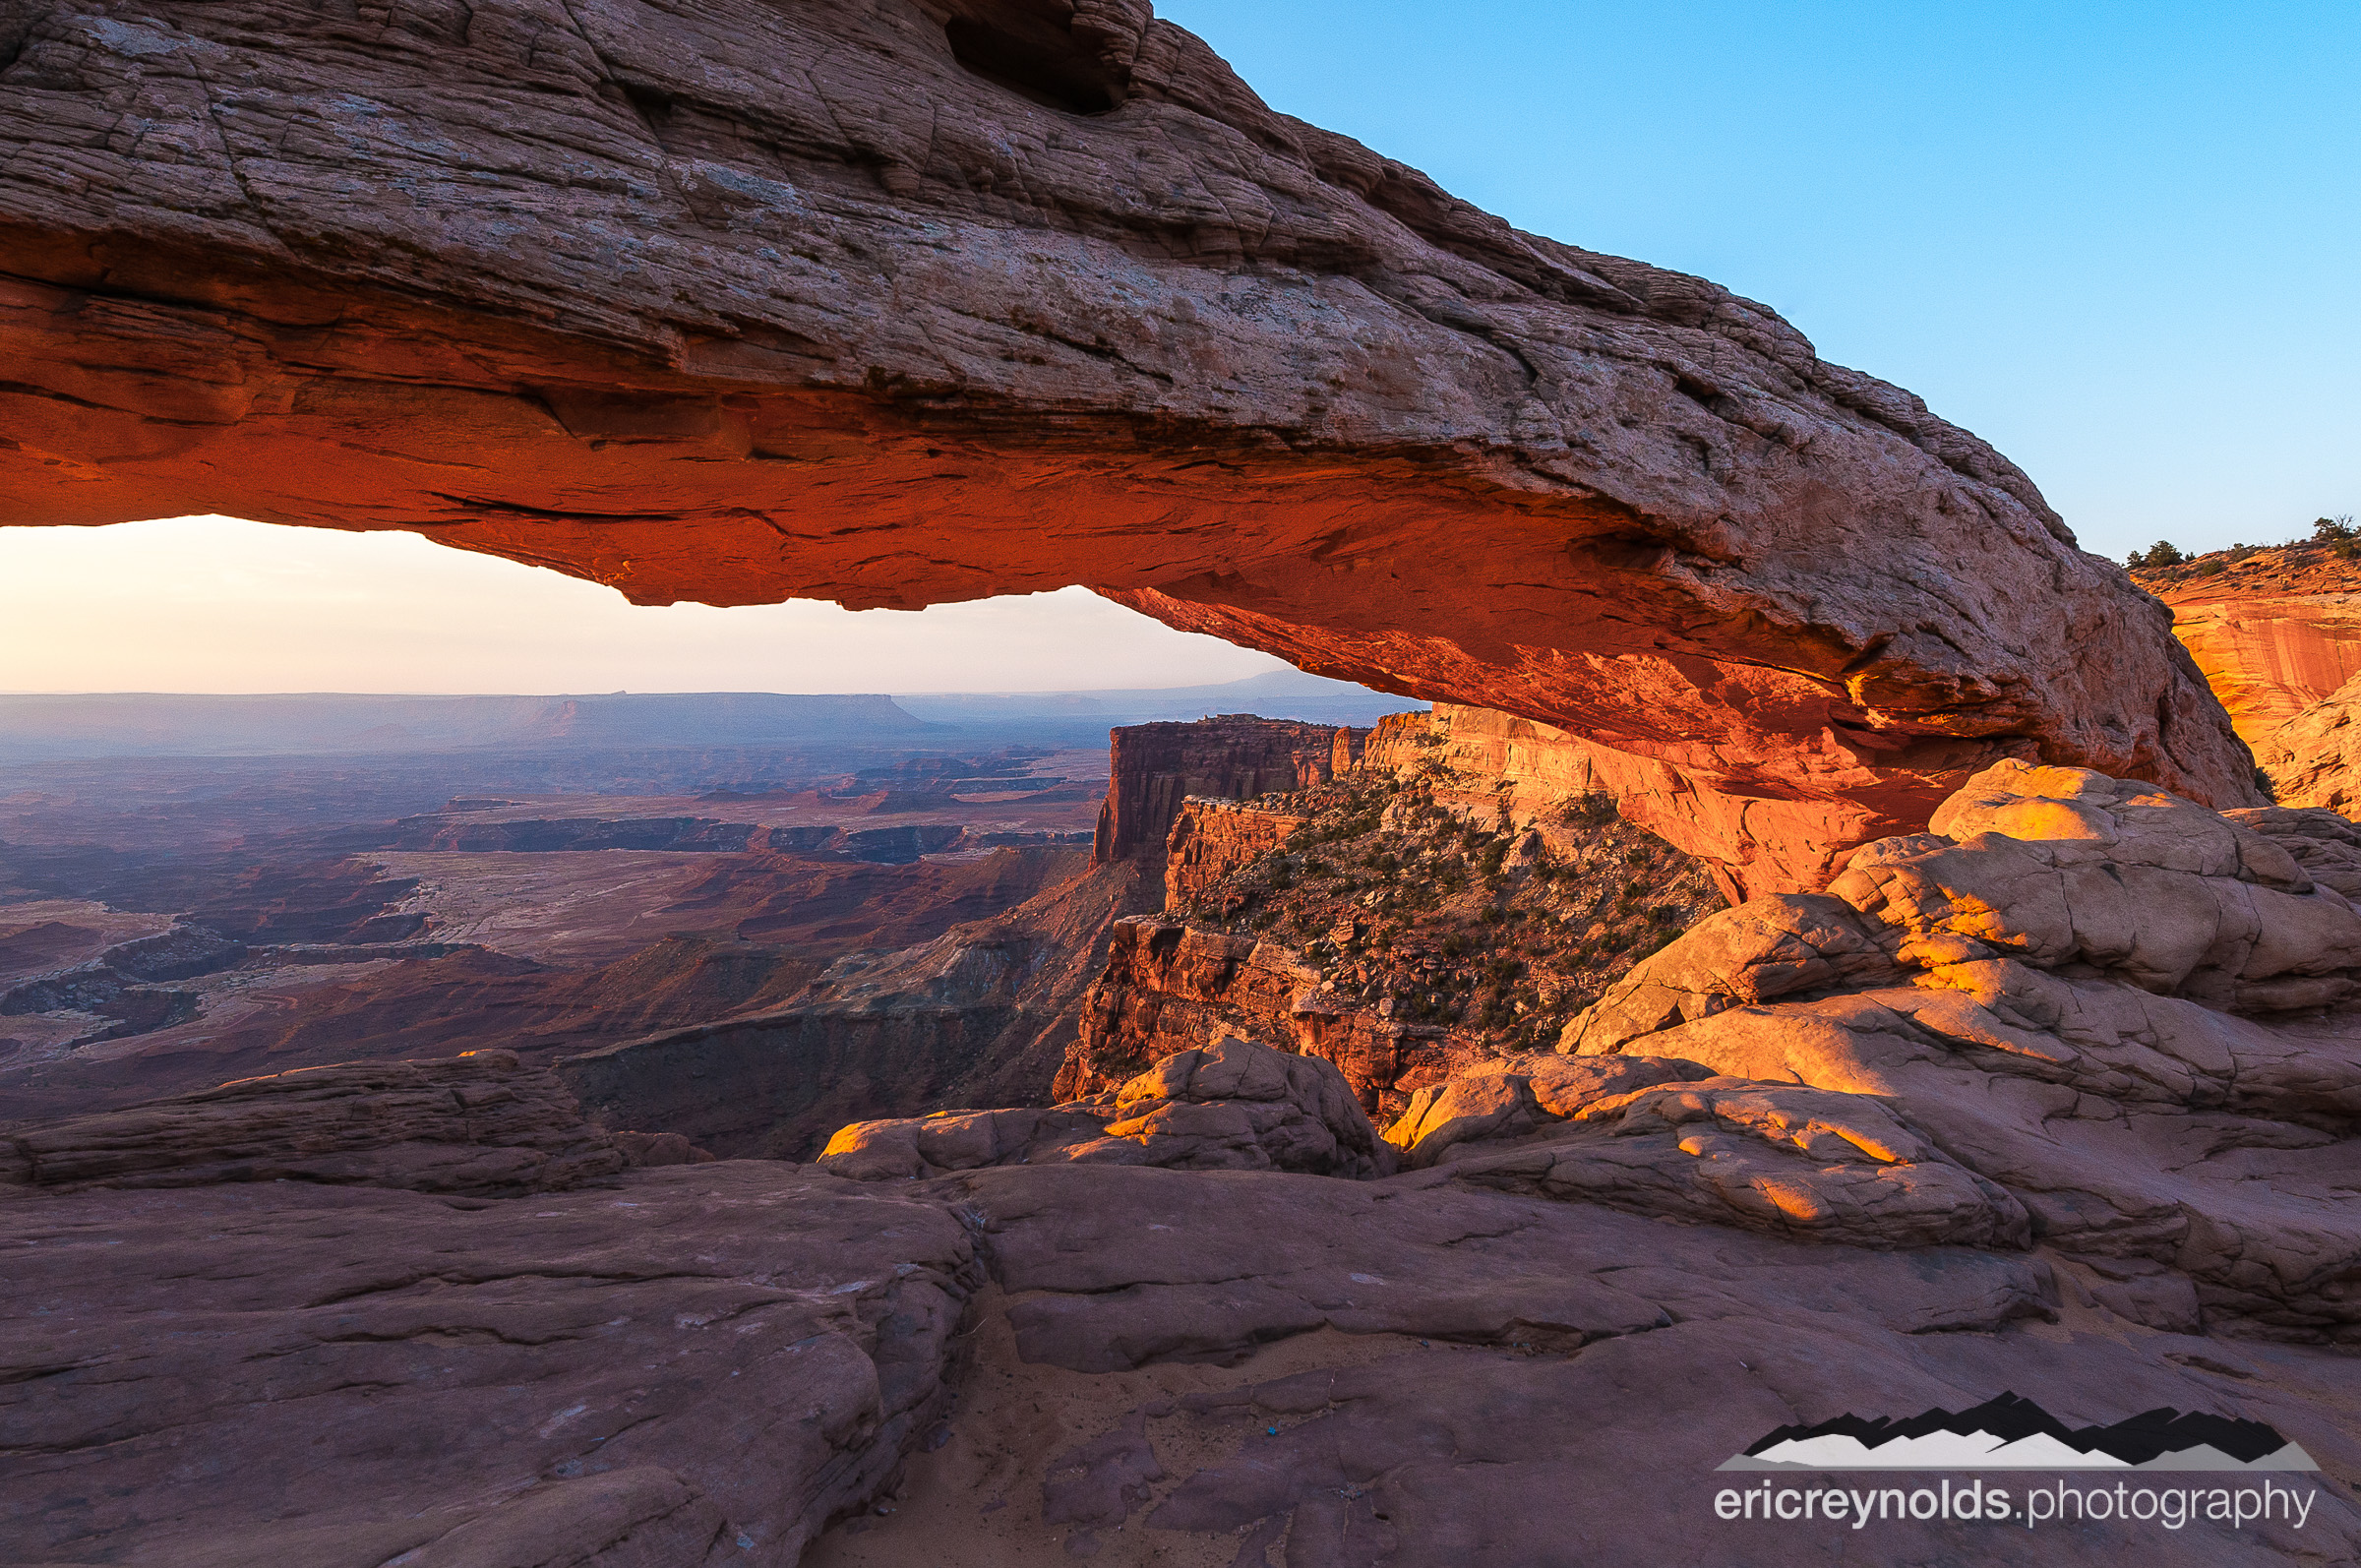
[{"x": 2114, "y": 1003}]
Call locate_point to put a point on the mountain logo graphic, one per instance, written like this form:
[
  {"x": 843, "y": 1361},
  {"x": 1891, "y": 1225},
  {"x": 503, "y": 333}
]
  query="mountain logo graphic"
[{"x": 2013, "y": 1433}]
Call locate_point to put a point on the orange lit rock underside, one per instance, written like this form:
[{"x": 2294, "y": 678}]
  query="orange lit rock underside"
[{"x": 734, "y": 303}]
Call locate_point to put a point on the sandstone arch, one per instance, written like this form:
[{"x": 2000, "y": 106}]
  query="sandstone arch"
[{"x": 907, "y": 301}]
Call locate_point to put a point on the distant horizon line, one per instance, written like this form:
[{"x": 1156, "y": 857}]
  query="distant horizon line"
[{"x": 1046, "y": 690}]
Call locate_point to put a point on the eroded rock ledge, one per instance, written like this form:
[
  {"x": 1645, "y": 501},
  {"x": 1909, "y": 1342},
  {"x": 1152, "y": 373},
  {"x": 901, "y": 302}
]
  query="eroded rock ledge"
[{"x": 893, "y": 305}]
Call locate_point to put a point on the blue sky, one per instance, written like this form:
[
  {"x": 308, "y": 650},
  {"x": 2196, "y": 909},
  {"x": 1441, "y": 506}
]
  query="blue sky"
[{"x": 2122, "y": 243}]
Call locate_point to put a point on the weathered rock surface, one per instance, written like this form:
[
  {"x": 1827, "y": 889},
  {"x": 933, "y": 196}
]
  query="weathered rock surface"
[
  {"x": 1204, "y": 1368},
  {"x": 1661, "y": 1136},
  {"x": 1231, "y": 1106},
  {"x": 704, "y": 1365},
  {"x": 2323, "y": 841},
  {"x": 2274, "y": 632},
  {"x": 1812, "y": 1163},
  {"x": 1168, "y": 986},
  {"x": 1210, "y": 839},
  {"x": 2053, "y": 995},
  {"x": 687, "y": 1366},
  {"x": 735, "y": 303},
  {"x": 476, "y": 1123},
  {"x": 2314, "y": 757},
  {"x": 1152, "y": 768}
]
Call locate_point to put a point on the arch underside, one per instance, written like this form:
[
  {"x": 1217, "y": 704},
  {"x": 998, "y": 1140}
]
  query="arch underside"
[{"x": 735, "y": 303}]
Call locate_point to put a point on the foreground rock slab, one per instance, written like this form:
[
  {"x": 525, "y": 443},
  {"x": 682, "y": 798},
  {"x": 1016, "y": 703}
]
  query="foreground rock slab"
[
  {"x": 1231, "y": 1106},
  {"x": 477, "y": 1123},
  {"x": 898, "y": 303},
  {"x": 1263, "y": 1370},
  {"x": 698, "y": 1364}
]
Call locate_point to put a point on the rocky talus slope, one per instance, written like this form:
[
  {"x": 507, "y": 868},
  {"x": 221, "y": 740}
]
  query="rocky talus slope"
[{"x": 897, "y": 303}]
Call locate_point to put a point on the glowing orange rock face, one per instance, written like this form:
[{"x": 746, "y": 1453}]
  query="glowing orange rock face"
[{"x": 734, "y": 303}]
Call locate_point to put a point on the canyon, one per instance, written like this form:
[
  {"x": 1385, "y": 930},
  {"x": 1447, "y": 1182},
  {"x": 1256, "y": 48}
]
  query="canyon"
[{"x": 1826, "y": 950}]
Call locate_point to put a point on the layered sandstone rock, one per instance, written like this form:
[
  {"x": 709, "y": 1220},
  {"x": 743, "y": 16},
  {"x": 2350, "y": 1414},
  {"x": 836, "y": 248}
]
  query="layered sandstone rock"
[
  {"x": 1231, "y": 1106},
  {"x": 2314, "y": 758},
  {"x": 1439, "y": 1373},
  {"x": 1685, "y": 1144},
  {"x": 1412, "y": 918},
  {"x": 476, "y": 1123},
  {"x": 1211, "y": 839},
  {"x": 1168, "y": 986},
  {"x": 707, "y": 1364},
  {"x": 983, "y": 1015},
  {"x": 2107, "y": 1000},
  {"x": 882, "y": 305},
  {"x": 2273, "y": 632},
  {"x": 1152, "y": 769},
  {"x": 1507, "y": 772}
]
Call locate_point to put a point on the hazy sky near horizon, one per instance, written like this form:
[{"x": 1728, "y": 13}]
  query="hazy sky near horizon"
[{"x": 2118, "y": 241}]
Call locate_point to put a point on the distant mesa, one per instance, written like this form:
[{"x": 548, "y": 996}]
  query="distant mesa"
[{"x": 2014, "y": 1433}]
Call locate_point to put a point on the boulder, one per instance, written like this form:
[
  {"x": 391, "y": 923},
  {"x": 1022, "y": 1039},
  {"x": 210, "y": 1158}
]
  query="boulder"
[
  {"x": 1231, "y": 1106},
  {"x": 1816, "y": 1164},
  {"x": 1519, "y": 1095},
  {"x": 2325, "y": 845}
]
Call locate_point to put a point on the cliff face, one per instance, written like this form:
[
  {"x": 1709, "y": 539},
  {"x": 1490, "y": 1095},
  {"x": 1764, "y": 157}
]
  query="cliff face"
[
  {"x": 983, "y": 1015},
  {"x": 2277, "y": 634},
  {"x": 735, "y": 303},
  {"x": 1153, "y": 768},
  {"x": 1211, "y": 839},
  {"x": 1170, "y": 986},
  {"x": 2273, "y": 632}
]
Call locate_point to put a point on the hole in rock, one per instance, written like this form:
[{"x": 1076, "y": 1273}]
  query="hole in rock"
[
  {"x": 1034, "y": 59},
  {"x": 653, "y": 103}
]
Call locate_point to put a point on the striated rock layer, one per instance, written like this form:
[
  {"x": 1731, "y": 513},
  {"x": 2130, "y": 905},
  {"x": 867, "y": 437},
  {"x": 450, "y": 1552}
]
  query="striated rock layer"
[
  {"x": 2314, "y": 760},
  {"x": 476, "y": 1123},
  {"x": 1152, "y": 768},
  {"x": 896, "y": 306},
  {"x": 2275, "y": 630}
]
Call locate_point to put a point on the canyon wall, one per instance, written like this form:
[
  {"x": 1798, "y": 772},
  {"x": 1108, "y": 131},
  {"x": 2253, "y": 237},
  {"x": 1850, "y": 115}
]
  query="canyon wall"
[
  {"x": 1151, "y": 768},
  {"x": 1212, "y": 838},
  {"x": 2277, "y": 634},
  {"x": 2269, "y": 654},
  {"x": 736, "y": 303}
]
